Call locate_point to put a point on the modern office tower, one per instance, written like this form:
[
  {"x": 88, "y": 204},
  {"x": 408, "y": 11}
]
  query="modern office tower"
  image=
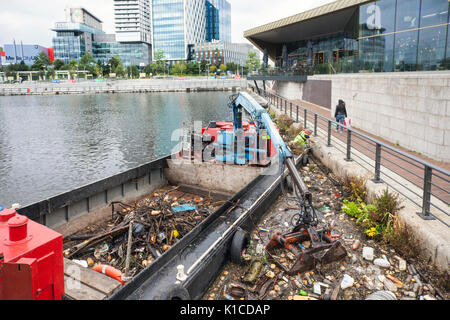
[
  {"x": 177, "y": 25},
  {"x": 133, "y": 20},
  {"x": 82, "y": 33},
  {"x": 75, "y": 36},
  {"x": 218, "y": 20}
]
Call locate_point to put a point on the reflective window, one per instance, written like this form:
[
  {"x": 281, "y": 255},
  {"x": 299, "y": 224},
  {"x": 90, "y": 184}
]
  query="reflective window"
[
  {"x": 407, "y": 14},
  {"x": 433, "y": 12},
  {"x": 387, "y": 12},
  {"x": 388, "y": 53},
  {"x": 168, "y": 28},
  {"x": 377, "y": 18},
  {"x": 431, "y": 53},
  {"x": 447, "y": 56},
  {"x": 405, "y": 56}
]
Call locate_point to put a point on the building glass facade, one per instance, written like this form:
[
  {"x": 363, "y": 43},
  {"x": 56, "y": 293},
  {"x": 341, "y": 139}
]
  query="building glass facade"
[
  {"x": 74, "y": 39},
  {"x": 218, "y": 20},
  {"x": 179, "y": 24},
  {"x": 168, "y": 28},
  {"x": 384, "y": 36},
  {"x": 130, "y": 53}
]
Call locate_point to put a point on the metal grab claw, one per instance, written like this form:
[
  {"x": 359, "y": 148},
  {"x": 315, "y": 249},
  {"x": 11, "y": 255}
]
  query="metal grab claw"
[{"x": 308, "y": 260}]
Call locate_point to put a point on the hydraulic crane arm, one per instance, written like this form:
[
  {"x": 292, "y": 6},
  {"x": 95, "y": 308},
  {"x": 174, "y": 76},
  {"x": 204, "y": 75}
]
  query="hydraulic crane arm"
[{"x": 263, "y": 121}]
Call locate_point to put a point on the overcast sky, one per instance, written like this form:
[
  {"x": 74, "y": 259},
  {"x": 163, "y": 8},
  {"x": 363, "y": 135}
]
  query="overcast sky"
[{"x": 30, "y": 21}]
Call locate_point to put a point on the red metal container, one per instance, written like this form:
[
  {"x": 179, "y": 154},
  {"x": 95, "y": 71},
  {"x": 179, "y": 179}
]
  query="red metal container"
[{"x": 31, "y": 259}]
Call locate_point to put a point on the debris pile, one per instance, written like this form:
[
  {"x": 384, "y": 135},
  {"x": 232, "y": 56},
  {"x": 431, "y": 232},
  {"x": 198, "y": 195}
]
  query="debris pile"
[
  {"x": 138, "y": 234},
  {"x": 370, "y": 270}
]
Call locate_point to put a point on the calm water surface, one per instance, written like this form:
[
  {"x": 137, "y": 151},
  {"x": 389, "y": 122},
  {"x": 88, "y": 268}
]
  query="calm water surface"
[{"x": 53, "y": 144}]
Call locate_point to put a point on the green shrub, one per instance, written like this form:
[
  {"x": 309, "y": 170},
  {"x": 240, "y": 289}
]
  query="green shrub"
[{"x": 284, "y": 122}]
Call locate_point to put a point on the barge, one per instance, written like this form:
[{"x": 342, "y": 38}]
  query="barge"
[{"x": 247, "y": 183}]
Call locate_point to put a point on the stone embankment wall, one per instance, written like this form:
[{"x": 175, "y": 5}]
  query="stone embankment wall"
[
  {"x": 411, "y": 109},
  {"x": 122, "y": 86}
]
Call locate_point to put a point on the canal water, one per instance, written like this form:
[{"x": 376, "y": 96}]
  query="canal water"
[{"x": 53, "y": 144}]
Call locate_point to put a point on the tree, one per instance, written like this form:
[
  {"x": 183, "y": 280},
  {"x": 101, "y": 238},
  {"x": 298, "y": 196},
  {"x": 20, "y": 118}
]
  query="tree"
[
  {"x": 119, "y": 70},
  {"x": 59, "y": 64},
  {"x": 203, "y": 65},
  {"x": 179, "y": 68},
  {"x": 73, "y": 65},
  {"x": 98, "y": 70},
  {"x": 149, "y": 69},
  {"x": 193, "y": 68},
  {"x": 41, "y": 62},
  {"x": 233, "y": 67},
  {"x": 87, "y": 62},
  {"x": 114, "y": 62},
  {"x": 212, "y": 68},
  {"x": 133, "y": 71},
  {"x": 160, "y": 63},
  {"x": 252, "y": 63},
  {"x": 223, "y": 68}
]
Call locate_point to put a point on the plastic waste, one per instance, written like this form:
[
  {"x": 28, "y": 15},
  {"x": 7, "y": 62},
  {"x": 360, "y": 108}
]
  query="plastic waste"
[
  {"x": 183, "y": 208},
  {"x": 382, "y": 263},
  {"x": 368, "y": 253},
  {"x": 138, "y": 230},
  {"x": 382, "y": 295},
  {"x": 82, "y": 263},
  {"x": 347, "y": 282}
]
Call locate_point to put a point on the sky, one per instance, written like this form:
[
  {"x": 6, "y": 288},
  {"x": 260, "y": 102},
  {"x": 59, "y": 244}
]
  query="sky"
[{"x": 30, "y": 21}]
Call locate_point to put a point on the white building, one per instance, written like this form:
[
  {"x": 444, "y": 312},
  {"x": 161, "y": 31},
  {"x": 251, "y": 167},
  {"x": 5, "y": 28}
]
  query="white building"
[{"x": 133, "y": 20}]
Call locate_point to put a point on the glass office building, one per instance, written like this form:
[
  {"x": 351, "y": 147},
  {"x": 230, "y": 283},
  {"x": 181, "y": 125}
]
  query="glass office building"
[
  {"x": 132, "y": 53},
  {"x": 75, "y": 39},
  {"x": 168, "y": 28},
  {"x": 218, "y": 20},
  {"x": 379, "y": 36},
  {"x": 179, "y": 24}
]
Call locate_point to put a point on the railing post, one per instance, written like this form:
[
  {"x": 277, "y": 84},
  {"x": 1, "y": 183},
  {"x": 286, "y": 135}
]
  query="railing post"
[
  {"x": 425, "y": 214},
  {"x": 349, "y": 146},
  {"x": 305, "y": 118},
  {"x": 378, "y": 165},
  {"x": 329, "y": 133},
  {"x": 297, "y": 112},
  {"x": 291, "y": 109},
  {"x": 285, "y": 106},
  {"x": 315, "y": 124}
]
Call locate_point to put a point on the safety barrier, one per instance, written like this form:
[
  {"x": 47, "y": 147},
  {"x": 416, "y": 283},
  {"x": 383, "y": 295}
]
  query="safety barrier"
[{"x": 389, "y": 164}]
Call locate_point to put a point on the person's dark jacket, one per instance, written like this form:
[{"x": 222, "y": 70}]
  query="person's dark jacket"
[{"x": 340, "y": 110}]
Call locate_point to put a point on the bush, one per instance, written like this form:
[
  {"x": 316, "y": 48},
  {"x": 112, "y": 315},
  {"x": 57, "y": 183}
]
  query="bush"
[
  {"x": 355, "y": 188},
  {"x": 284, "y": 122},
  {"x": 379, "y": 219},
  {"x": 294, "y": 131}
]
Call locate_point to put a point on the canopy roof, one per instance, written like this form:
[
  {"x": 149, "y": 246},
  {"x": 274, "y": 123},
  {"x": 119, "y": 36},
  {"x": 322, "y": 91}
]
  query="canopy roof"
[{"x": 327, "y": 19}]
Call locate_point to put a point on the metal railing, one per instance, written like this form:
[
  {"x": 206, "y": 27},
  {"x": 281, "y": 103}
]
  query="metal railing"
[{"x": 388, "y": 164}]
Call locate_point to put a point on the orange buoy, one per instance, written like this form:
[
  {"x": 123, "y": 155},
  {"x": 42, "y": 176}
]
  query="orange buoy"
[{"x": 110, "y": 272}]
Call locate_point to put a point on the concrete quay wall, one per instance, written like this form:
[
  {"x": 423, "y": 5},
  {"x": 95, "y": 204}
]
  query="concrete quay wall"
[{"x": 122, "y": 86}]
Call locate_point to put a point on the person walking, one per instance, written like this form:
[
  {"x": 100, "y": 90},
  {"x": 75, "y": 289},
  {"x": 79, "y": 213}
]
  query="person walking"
[{"x": 340, "y": 115}]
